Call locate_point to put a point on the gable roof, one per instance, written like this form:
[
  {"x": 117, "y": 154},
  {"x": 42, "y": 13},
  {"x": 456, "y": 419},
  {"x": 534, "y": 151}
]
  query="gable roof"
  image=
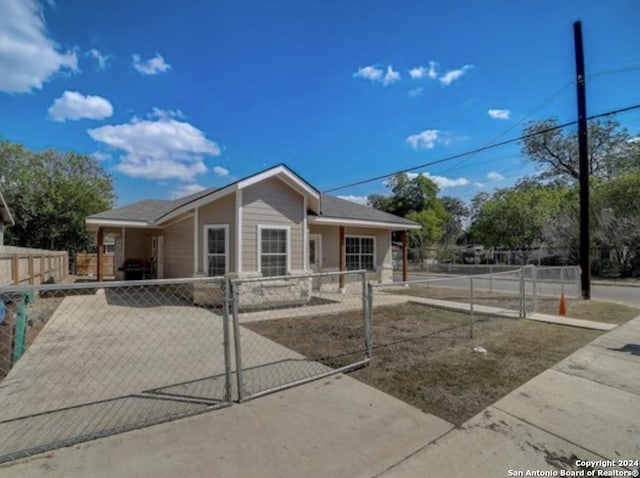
[
  {"x": 5, "y": 214},
  {"x": 154, "y": 212}
]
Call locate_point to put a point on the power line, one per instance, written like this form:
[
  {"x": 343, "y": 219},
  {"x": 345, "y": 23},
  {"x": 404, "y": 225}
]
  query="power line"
[{"x": 483, "y": 148}]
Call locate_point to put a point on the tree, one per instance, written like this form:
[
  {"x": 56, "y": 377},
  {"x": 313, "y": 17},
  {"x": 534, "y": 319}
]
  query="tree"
[
  {"x": 432, "y": 221},
  {"x": 50, "y": 194},
  {"x": 514, "y": 218},
  {"x": 407, "y": 194},
  {"x": 616, "y": 218},
  {"x": 457, "y": 212},
  {"x": 415, "y": 198},
  {"x": 611, "y": 149}
]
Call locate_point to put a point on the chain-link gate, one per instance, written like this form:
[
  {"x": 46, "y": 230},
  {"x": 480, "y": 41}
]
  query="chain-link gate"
[
  {"x": 293, "y": 329},
  {"x": 81, "y": 361}
]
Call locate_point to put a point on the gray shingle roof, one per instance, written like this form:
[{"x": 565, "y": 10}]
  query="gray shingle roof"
[
  {"x": 146, "y": 210},
  {"x": 151, "y": 210},
  {"x": 343, "y": 209}
]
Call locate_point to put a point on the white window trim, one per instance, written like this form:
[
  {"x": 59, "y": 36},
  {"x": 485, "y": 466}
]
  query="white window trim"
[
  {"x": 375, "y": 249},
  {"x": 259, "y": 241},
  {"x": 205, "y": 246}
]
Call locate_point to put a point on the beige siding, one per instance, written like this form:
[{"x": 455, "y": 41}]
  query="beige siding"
[
  {"x": 331, "y": 249},
  {"x": 138, "y": 243},
  {"x": 272, "y": 203},
  {"x": 220, "y": 212},
  {"x": 178, "y": 249}
]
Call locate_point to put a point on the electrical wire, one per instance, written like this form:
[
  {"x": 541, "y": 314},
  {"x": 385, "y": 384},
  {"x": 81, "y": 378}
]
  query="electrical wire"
[{"x": 484, "y": 148}]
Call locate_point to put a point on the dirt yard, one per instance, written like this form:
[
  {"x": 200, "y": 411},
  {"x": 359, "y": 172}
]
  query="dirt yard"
[{"x": 423, "y": 355}]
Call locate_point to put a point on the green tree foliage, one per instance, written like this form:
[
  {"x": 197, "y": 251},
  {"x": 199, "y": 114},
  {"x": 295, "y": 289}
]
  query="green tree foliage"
[
  {"x": 515, "y": 218},
  {"x": 50, "y": 194},
  {"x": 415, "y": 198}
]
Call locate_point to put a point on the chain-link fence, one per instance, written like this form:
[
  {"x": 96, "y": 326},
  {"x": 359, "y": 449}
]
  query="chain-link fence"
[
  {"x": 496, "y": 285},
  {"x": 506, "y": 294},
  {"x": 80, "y": 361},
  {"x": 293, "y": 329}
]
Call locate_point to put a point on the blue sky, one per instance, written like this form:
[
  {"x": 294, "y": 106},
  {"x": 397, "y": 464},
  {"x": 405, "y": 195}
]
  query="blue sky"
[{"x": 177, "y": 96}]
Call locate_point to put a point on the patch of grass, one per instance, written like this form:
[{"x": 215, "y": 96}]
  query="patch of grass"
[{"x": 423, "y": 355}]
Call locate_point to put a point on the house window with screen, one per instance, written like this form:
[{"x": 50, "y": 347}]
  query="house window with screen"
[
  {"x": 273, "y": 252},
  {"x": 216, "y": 244},
  {"x": 359, "y": 253}
]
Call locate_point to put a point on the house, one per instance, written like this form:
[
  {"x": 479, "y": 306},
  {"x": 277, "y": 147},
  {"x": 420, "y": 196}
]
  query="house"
[
  {"x": 272, "y": 223},
  {"x": 6, "y": 219}
]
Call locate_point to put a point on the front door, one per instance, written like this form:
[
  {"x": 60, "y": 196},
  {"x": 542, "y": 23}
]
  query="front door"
[{"x": 315, "y": 257}]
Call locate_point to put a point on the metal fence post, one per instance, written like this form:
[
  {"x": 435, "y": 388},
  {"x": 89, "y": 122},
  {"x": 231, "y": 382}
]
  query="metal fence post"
[
  {"x": 535, "y": 288},
  {"x": 471, "y": 306},
  {"x": 490, "y": 278},
  {"x": 368, "y": 327},
  {"x": 226, "y": 284},
  {"x": 236, "y": 341},
  {"x": 523, "y": 303}
]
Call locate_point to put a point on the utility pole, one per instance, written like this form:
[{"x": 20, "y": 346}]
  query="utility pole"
[{"x": 583, "y": 148}]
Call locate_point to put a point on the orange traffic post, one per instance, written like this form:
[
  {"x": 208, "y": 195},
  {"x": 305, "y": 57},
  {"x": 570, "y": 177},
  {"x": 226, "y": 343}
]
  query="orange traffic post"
[{"x": 562, "y": 310}]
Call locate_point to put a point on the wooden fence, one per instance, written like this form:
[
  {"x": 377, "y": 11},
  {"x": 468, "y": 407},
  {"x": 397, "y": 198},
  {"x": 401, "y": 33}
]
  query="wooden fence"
[
  {"x": 87, "y": 265},
  {"x": 21, "y": 265}
]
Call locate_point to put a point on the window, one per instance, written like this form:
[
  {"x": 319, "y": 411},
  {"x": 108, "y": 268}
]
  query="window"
[
  {"x": 360, "y": 253},
  {"x": 216, "y": 249},
  {"x": 273, "y": 251}
]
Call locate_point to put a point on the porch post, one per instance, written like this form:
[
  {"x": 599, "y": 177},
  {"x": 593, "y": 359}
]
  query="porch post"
[
  {"x": 341, "y": 257},
  {"x": 405, "y": 268},
  {"x": 99, "y": 247}
]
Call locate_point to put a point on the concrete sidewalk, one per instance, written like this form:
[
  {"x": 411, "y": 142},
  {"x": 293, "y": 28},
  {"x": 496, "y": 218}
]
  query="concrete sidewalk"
[
  {"x": 333, "y": 427},
  {"x": 584, "y": 408}
]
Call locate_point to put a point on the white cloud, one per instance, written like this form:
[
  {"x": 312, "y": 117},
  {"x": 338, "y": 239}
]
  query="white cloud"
[
  {"x": 101, "y": 156},
  {"x": 453, "y": 75},
  {"x": 166, "y": 114},
  {"x": 479, "y": 185},
  {"x": 499, "y": 114},
  {"x": 74, "y": 106},
  {"x": 152, "y": 66},
  {"x": 186, "y": 189},
  {"x": 220, "y": 171},
  {"x": 371, "y": 73},
  {"x": 390, "y": 77},
  {"x": 362, "y": 200},
  {"x": 99, "y": 57},
  {"x": 28, "y": 56},
  {"x": 442, "y": 181},
  {"x": 424, "y": 140},
  {"x": 432, "y": 73},
  {"x": 416, "y": 92},
  {"x": 160, "y": 148},
  {"x": 375, "y": 74},
  {"x": 418, "y": 72},
  {"x": 635, "y": 139},
  {"x": 494, "y": 176}
]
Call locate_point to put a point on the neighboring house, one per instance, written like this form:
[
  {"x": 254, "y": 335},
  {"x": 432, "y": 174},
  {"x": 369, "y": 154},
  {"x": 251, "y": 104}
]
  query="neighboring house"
[
  {"x": 272, "y": 223},
  {"x": 5, "y": 218}
]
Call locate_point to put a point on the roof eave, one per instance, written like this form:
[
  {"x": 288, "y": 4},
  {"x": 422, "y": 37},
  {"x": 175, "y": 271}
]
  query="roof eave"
[
  {"x": 93, "y": 224},
  {"x": 340, "y": 221}
]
